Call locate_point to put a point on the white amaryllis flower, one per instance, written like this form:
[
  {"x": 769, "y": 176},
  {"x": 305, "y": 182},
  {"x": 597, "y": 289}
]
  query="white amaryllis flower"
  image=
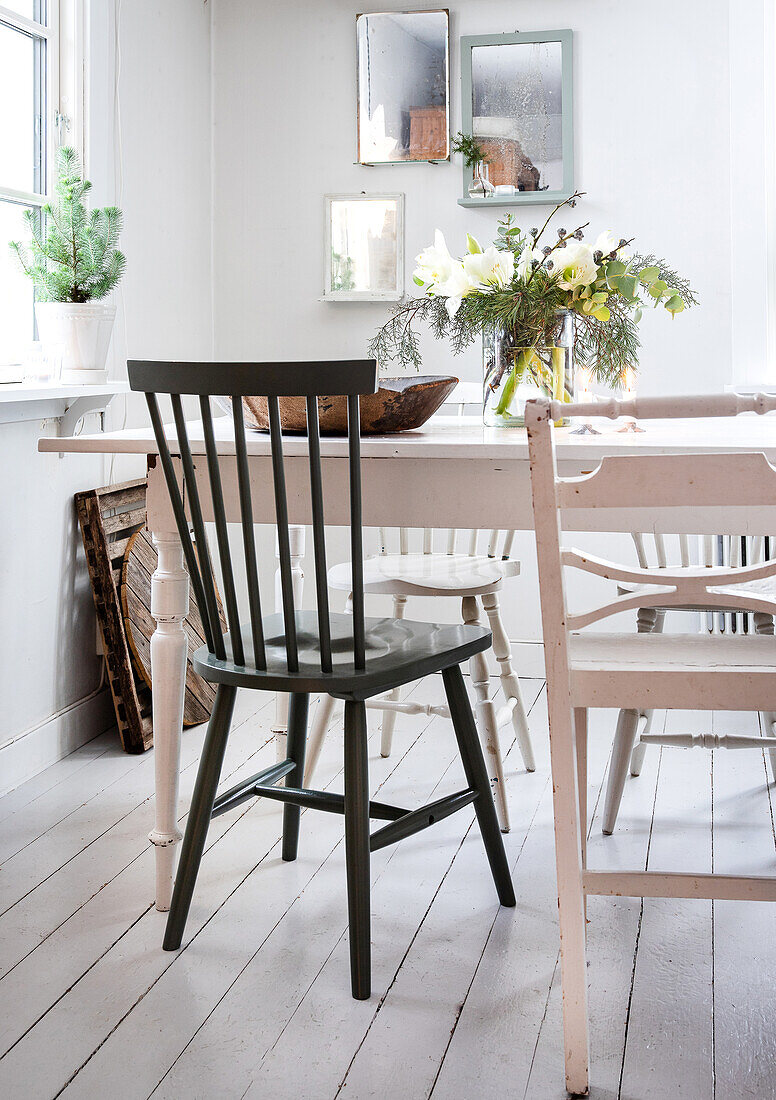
[
  {"x": 490, "y": 268},
  {"x": 607, "y": 243},
  {"x": 435, "y": 263},
  {"x": 526, "y": 259},
  {"x": 574, "y": 264},
  {"x": 455, "y": 288}
]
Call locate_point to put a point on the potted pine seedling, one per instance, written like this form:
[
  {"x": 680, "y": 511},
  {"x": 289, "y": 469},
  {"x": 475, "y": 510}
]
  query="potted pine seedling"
[{"x": 74, "y": 263}]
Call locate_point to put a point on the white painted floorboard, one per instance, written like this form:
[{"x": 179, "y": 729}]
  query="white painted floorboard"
[{"x": 466, "y": 996}]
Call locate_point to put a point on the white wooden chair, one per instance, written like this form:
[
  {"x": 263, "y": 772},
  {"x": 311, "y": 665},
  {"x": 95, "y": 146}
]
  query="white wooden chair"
[
  {"x": 729, "y": 493},
  {"x": 473, "y": 575},
  {"x": 633, "y": 731},
  {"x": 451, "y": 572}
]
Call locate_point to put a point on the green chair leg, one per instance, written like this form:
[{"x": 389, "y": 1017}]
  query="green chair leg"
[
  {"x": 199, "y": 814},
  {"x": 357, "y": 848},
  {"x": 295, "y": 749},
  {"x": 477, "y": 778}
]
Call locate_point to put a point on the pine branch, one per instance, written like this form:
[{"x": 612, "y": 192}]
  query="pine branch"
[{"x": 73, "y": 255}]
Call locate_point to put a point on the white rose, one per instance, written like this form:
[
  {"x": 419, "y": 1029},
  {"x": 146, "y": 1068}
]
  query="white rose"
[
  {"x": 434, "y": 263},
  {"x": 455, "y": 288},
  {"x": 574, "y": 264},
  {"x": 526, "y": 259},
  {"x": 492, "y": 267},
  {"x": 607, "y": 243}
]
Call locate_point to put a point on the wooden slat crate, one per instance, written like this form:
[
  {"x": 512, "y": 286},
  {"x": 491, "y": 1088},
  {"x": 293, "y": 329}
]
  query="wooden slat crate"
[{"x": 108, "y": 518}]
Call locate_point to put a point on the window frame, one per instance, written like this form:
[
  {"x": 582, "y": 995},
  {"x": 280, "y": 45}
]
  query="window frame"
[{"x": 64, "y": 34}]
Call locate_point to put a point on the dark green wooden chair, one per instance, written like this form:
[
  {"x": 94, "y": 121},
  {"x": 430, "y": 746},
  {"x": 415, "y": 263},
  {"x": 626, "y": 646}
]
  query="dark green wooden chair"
[{"x": 300, "y": 652}]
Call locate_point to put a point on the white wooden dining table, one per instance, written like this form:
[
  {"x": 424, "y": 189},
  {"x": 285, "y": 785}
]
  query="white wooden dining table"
[{"x": 453, "y": 472}]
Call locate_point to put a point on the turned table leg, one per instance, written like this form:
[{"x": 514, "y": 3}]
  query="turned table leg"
[{"x": 169, "y": 607}]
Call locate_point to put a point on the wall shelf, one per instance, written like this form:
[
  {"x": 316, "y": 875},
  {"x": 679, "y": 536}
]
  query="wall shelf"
[
  {"x": 28, "y": 401},
  {"x": 521, "y": 198}
]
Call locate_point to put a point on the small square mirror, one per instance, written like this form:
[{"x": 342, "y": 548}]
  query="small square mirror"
[
  {"x": 403, "y": 86},
  {"x": 364, "y": 247}
]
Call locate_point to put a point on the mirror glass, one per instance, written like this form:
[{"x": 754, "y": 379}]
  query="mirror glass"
[
  {"x": 517, "y": 113},
  {"x": 364, "y": 246},
  {"x": 403, "y": 80}
]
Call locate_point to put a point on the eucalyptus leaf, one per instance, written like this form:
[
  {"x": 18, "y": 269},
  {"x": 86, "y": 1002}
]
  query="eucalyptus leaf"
[
  {"x": 637, "y": 314},
  {"x": 616, "y": 267},
  {"x": 627, "y": 287},
  {"x": 658, "y": 288},
  {"x": 602, "y": 313},
  {"x": 674, "y": 304},
  {"x": 648, "y": 275}
]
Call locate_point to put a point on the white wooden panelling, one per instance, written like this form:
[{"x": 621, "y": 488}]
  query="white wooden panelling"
[
  {"x": 51, "y": 938},
  {"x": 216, "y": 987},
  {"x": 32, "y": 789},
  {"x": 669, "y": 1044},
  {"x": 744, "y": 954},
  {"x": 220, "y": 1014},
  {"x": 410, "y": 1033},
  {"x": 54, "y": 738}
]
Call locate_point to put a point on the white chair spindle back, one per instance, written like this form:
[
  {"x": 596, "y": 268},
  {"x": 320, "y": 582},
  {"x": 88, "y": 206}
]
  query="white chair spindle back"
[{"x": 430, "y": 540}]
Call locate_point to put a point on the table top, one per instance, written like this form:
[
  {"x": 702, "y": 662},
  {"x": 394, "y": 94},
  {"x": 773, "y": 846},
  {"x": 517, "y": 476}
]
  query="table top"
[{"x": 453, "y": 437}]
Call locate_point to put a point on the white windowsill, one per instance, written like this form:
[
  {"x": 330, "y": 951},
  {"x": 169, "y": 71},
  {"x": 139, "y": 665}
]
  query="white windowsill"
[{"x": 46, "y": 400}]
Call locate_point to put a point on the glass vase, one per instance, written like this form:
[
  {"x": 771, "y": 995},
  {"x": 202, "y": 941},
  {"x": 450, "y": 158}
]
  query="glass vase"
[
  {"x": 516, "y": 372},
  {"x": 480, "y": 186}
]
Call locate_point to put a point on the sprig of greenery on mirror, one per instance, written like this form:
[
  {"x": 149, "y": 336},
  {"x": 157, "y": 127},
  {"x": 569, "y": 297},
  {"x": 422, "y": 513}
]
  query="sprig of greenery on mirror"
[
  {"x": 72, "y": 255},
  {"x": 469, "y": 148},
  {"x": 520, "y": 283}
]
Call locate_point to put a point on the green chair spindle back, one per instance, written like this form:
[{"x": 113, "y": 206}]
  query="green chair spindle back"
[{"x": 271, "y": 380}]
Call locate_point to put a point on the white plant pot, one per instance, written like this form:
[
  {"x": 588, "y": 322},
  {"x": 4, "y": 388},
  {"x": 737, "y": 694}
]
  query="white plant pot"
[{"x": 80, "y": 333}]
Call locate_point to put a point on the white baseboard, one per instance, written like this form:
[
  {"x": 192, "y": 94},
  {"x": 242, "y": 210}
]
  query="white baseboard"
[{"x": 28, "y": 753}]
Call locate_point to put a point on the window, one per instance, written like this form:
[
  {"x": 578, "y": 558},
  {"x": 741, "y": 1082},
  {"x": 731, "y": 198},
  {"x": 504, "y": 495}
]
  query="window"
[{"x": 41, "y": 92}]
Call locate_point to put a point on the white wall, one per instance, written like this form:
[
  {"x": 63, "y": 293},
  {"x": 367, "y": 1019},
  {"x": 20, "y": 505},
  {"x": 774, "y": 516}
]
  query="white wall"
[
  {"x": 652, "y": 132},
  {"x": 47, "y": 647},
  {"x": 652, "y": 140}
]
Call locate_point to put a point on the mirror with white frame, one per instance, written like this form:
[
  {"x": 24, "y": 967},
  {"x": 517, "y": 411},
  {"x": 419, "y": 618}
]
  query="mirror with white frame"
[
  {"x": 364, "y": 247},
  {"x": 403, "y": 86}
]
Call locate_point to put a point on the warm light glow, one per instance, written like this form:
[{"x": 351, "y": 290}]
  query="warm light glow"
[
  {"x": 584, "y": 383},
  {"x": 628, "y": 382}
]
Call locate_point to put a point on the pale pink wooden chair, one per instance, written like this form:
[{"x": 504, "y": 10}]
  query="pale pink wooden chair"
[
  {"x": 728, "y": 493},
  {"x": 633, "y": 732}
]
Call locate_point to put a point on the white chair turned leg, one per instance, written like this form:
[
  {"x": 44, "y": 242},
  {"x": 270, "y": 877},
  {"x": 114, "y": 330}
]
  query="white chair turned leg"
[
  {"x": 169, "y": 647},
  {"x": 763, "y": 624},
  {"x": 639, "y": 752},
  {"x": 318, "y": 728},
  {"x": 486, "y": 718},
  {"x": 649, "y": 621},
  {"x": 502, "y": 651},
  {"x": 389, "y": 716},
  {"x": 624, "y": 739}
]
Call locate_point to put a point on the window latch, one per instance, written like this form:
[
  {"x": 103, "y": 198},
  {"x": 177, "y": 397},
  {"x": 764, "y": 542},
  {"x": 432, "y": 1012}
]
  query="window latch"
[{"x": 62, "y": 125}]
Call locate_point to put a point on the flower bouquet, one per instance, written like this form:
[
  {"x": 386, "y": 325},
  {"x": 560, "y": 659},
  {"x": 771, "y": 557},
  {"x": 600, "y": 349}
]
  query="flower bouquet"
[{"x": 540, "y": 308}]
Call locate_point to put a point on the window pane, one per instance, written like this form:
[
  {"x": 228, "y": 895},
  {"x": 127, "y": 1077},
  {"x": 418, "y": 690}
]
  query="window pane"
[
  {"x": 16, "y": 293},
  {"x": 21, "y": 109}
]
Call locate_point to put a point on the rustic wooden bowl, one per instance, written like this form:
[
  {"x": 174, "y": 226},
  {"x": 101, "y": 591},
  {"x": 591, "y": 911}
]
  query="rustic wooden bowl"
[{"x": 399, "y": 405}]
